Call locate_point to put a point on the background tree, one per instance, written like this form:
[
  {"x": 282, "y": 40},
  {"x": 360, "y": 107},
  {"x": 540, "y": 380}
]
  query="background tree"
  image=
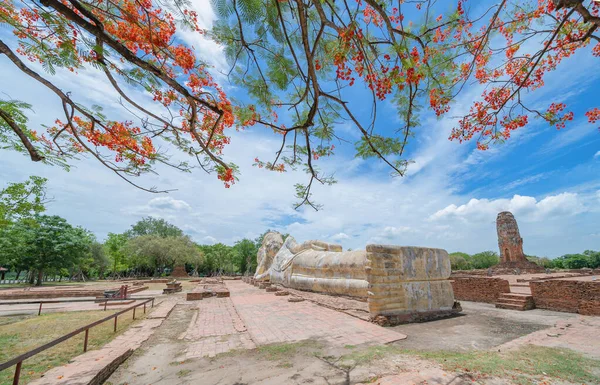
[
  {"x": 221, "y": 259},
  {"x": 45, "y": 244},
  {"x": 100, "y": 262},
  {"x": 158, "y": 253},
  {"x": 116, "y": 256},
  {"x": 84, "y": 267},
  {"x": 245, "y": 255},
  {"x": 12, "y": 248},
  {"x": 575, "y": 261},
  {"x": 459, "y": 261},
  {"x": 22, "y": 200},
  {"x": 542, "y": 261},
  {"x": 196, "y": 260},
  {"x": 209, "y": 263},
  {"x": 154, "y": 226},
  {"x": 484, "y": 260},
  {"x": 593, "y": 258}
]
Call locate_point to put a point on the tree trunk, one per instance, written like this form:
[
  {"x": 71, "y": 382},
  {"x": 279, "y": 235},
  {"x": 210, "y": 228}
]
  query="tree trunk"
[
  {"x": 40, "y": 278},
  {"x": 18, "y": 273},
  {"x": 31, "y": 277}
]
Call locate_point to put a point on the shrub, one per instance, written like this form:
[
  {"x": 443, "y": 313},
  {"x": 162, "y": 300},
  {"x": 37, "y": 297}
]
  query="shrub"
[
  {"x": 459, "y": 261},
  {"x": 484, "y": 260}
]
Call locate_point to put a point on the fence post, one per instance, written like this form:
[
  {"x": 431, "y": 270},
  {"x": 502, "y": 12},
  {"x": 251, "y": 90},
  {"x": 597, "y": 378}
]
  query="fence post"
[
  {"x": 152, "y": 302},
  {"x": 134, "y": 313},
  {"x": 105, "y": 303},
  {"x": 40, "y": 311},
  {"x": 115, "y": 324},
  {"x": 144, "y": 307},
  {"x": 85, "y": 341},
  {"x": 17, "y": 373}
]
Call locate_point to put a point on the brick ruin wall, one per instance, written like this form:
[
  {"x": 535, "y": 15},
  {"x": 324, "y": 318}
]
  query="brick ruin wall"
[
  {"x": 479, "y": 289},
  {"x": 569, "y": 296}
]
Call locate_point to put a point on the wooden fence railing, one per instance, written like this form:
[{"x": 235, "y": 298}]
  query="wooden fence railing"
[
  {"x": 99, "y": 301},
  {"x": 18, "y": 361}
]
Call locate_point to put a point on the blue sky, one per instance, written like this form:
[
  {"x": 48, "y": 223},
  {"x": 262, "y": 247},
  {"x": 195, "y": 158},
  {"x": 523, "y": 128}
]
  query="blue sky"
[{"x": 449, "y": 199}]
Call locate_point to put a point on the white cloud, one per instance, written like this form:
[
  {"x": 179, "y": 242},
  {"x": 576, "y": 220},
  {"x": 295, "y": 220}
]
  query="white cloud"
[
  {"x": 206, "y": 49},
  {"x": 597, "y": 155},
  {"x": 168, "y": 203},
  {"x": 391, "y": 231},
  {"x": 208, "y": 240},
  {"x": 339, "y": 237},
  {"x": 526, "y": 180},
  {"x": 530, "y": 209}
]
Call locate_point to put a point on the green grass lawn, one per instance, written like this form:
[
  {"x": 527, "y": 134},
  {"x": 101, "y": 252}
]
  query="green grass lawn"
[
  {"x": 19, "y": 334},
  {"x": 522, "y": 366}
]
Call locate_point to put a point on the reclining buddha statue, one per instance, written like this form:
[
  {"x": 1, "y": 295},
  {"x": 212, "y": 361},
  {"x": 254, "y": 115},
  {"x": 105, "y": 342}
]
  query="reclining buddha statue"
[{"x": 401, "y": 284}]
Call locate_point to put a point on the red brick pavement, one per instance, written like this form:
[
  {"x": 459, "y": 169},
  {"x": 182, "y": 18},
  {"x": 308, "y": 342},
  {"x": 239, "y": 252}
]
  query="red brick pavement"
[
  {"x": 216, "y": 328},
  {"x": 272, "y": 319}
]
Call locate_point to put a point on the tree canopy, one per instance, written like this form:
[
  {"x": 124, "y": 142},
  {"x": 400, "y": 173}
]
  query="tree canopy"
[
  {"x": 303, "y": 64},
  {"x": 156, "y": 252},
  {"x": 22, "y": 200},
  {"x": 464, "y": 261},
  {"x": 44, "y": 244},
  {"x": 154, "y": 226}
]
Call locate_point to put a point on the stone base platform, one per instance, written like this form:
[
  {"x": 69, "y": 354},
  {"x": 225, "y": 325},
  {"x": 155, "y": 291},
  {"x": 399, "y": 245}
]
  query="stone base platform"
[
  {"x": 206, "y": 291},
  {"x": 521, "y": 266},
  {"x": 400, "y": 319}
]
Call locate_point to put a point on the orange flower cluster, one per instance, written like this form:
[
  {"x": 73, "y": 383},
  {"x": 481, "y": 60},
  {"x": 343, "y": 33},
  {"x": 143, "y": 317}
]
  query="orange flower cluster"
[
  {"x": 227, "y": 177},
  {"x": 520, "y": 72},
  {"x": 438, "y": 101},
  {"x": 593, "y": 115},
  {"x": 123, "y": 138},
  {"x": 554, "y": 115},
  {"x": 148, "y": 32},
  {"x": 279, "y": 167}
]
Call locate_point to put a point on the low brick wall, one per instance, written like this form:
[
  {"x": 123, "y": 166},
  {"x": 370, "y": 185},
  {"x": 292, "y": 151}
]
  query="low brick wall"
[
  {"x": 569, "y": 296},
  {"x": 589, "y": 308},
  {"x": 479, "y": 289},
  {"x": 464, "y": 273}
]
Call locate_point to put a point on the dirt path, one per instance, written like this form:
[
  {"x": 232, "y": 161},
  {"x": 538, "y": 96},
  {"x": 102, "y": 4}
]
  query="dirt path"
[
  {"x": 580, "y": 334},
  {"x": 480, "y": 327},
  {"x": 150, "y": 362}
]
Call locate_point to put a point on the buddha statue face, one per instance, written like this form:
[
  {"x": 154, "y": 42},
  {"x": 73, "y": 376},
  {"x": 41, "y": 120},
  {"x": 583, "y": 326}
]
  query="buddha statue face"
[{"x": 271, "y": 244}]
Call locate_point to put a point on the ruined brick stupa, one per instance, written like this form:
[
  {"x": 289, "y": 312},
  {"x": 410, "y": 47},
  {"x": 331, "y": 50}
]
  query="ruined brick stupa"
[{"x": 510, "y": 244}]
